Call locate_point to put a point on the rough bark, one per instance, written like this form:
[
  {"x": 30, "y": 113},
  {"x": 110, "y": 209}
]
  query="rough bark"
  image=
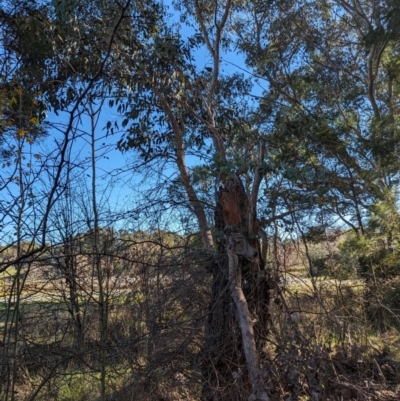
[
  {"x": 221, "y": 354},
  {"x": 240, "y": 300}
]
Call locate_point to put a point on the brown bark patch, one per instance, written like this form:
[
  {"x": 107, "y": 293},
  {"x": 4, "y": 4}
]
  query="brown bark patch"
[{"x": 234, "y": 203}]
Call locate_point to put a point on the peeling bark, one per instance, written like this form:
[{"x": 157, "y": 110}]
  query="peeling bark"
[
  {"x": 221, "y": 353},
  {"x": 250, "y": 304},
  {"x": 246, "y": 326}
]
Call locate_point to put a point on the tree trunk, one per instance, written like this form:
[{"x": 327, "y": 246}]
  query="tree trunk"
[
  {"x": 222, "y": 355},
  {"x": 197, "y": 206},
  {"x": 236, "y": 329}
]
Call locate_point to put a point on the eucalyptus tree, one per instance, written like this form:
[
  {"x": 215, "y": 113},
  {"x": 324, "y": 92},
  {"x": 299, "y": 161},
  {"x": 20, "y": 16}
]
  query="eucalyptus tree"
[
  {"x": 333, "y": 81},
  {"x": 333, "y": 74},
  {"x": 324, "y": 127},
  {"x": 173, "y": 108}
]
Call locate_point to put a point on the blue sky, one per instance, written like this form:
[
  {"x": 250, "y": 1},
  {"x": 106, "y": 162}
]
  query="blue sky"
[{"x": 114, "y": 191}]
